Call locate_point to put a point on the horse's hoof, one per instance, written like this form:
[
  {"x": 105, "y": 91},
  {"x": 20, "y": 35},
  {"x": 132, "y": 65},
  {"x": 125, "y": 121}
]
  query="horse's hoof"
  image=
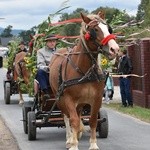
[
  {"x": 74, "y": 148},
  {"x": 21, "y": 103},
  {"x": 94, "y": 148},
  {"x": 68, "y": 145}
]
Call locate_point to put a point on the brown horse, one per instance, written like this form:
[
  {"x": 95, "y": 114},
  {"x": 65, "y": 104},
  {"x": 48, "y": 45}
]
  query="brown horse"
[
  {"x": 76, "y": 79},
  {"x": 20, "y": 71}
]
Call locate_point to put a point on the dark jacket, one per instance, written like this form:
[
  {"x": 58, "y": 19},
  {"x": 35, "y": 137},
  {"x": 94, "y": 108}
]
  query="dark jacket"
[{"x": 125, "y": 65}]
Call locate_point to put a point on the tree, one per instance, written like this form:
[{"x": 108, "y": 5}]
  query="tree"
[
  {"x": 143, "y": 12},
  {"x": 25, "y": 35},
  {"x": 112, "y": 13},
  {"x": 72, "y": 29},
  {"x": 7, "y": 32}
]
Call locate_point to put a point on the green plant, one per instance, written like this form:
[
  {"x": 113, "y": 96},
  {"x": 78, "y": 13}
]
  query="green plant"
[{"x": 105, "y": 63}]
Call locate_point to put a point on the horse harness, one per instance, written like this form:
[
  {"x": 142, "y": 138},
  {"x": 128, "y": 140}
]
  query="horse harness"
[
  {"x": 93, "y": 73},
  {"x": 90, "y": 76}
]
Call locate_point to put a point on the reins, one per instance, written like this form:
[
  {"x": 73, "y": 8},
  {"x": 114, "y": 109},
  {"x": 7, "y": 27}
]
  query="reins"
[{"x": 94, "y": 73}]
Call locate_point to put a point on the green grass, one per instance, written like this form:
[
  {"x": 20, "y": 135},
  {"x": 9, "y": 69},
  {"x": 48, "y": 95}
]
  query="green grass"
[{"x": 137, "y": 112}]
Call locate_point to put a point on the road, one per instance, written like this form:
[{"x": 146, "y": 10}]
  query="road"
[{"x": 125, "y": 132}]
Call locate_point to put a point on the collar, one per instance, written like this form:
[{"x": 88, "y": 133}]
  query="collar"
[{"x": 50, "y": 49}]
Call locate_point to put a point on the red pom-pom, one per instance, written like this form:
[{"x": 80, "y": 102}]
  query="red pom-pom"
[
  {"x": 30, "y": 44},
  {"x": 87, "y": 36}
]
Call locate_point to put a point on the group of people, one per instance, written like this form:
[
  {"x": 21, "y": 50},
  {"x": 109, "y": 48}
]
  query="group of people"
[{"x": 42, "y": 77}]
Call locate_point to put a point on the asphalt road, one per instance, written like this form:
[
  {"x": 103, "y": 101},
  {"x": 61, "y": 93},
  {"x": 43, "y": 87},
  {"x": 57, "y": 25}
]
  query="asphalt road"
[{"x": 125, "y": 132}]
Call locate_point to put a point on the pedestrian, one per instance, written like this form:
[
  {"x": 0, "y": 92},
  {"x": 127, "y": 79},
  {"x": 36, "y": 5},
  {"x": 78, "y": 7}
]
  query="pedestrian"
[
  {"x": 43, "y": 59},
  {"x": 125, "y": 68},
  {"x": 109, "y": 89}
]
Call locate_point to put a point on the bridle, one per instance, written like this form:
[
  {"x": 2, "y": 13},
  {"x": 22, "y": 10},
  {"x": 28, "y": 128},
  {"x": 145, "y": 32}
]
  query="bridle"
[
  {"x": 89, "y": 33},
  {"x": 94, "y": 73}
]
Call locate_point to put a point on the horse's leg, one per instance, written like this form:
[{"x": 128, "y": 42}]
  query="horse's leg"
[
  {"x": 21, "y": 101},
  {"x": 74, "y": 122},
  {"x": 93, "y": 126},
  {"x": 68, "y": 132},
  {"x": 81, "y": 128}
]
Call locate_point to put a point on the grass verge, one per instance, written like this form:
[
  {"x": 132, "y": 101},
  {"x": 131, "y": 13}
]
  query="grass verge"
[{"x": 137, "y": 112}]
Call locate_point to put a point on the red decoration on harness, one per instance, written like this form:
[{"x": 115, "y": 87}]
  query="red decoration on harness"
[
  {"x": 87, "y": 36},
  {"x": 75, "y": 20},
  {"x": 30, "y": 44},
  {"x": 107, "y": 38}
]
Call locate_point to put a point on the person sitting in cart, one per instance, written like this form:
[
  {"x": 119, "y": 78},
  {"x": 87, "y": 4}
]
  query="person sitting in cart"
[
  {"x": 21, "y": 48},
  {"x": 43, "y": 59}
]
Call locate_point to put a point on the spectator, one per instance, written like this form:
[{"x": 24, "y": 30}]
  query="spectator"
[
  {"x": 109, "y": 89},
  {"x": 125, "y": 68}
]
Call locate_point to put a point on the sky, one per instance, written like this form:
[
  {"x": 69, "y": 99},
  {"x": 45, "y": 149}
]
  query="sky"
[{"x": 24, "y": 14}]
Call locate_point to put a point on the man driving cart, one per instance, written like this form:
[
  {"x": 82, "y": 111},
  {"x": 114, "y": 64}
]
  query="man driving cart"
[{"x": 44, "y": 56}]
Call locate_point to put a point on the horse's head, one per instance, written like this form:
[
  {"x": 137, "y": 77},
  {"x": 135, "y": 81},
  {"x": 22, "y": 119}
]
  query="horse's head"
[
  {"x": 97, "y": 34},
  {"x": 33, "y": 40}
]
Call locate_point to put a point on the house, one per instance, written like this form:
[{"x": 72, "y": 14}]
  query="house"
[{"x": 5, "y": 40}]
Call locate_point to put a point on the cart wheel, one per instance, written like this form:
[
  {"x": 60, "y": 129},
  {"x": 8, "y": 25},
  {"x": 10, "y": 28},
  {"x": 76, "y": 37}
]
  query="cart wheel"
[
  {"x": 31, "y": 126},
  {"x": 25, "y": 111},
  {"x": 102, "y": 127},
  {"x": 7, "y": 93}
]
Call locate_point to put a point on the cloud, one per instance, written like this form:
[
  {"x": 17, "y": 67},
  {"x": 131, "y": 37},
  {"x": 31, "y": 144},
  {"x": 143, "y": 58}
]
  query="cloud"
[{"x": 24, "y": 14}]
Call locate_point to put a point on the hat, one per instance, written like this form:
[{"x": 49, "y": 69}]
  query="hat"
[
  {"x": 51, "y": 37},
  {"x": 22, "y": 43}
]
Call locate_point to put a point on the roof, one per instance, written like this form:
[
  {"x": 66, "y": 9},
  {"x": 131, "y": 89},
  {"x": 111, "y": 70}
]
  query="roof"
[{"x": 5, "y": 40}]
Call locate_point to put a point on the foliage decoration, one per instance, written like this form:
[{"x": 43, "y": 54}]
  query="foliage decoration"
[{"x": 105, "y": 63}]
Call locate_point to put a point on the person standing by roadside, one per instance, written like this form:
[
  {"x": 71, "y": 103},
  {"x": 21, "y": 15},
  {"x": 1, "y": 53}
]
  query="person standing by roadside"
[
  {"x": 125, "y": 68},
  {"x": 109, "y": 89}
]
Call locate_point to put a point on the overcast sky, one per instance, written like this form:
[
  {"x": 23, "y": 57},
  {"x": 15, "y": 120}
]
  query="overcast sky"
[{"x": 24, "y": 14}]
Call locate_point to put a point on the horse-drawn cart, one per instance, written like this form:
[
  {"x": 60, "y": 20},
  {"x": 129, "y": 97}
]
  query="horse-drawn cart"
[
  {"x": 17, "y": 75},
  {"x": 78, "y": 82},
  {"x": 38, "y": 114}
]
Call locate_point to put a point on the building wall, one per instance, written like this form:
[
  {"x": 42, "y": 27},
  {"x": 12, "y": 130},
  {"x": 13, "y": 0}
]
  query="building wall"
[{"x": 140, "y": 56}]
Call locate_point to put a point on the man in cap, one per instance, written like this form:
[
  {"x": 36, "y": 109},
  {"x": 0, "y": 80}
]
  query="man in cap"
[
  {"x": 43, "y": 59},
  {"x": 125, "y": 68}
]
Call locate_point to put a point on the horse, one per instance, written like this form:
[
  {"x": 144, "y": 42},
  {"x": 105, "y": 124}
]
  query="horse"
[
  {"x": 76, "y": 79},
  {"x": 20, "y": 71}
]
